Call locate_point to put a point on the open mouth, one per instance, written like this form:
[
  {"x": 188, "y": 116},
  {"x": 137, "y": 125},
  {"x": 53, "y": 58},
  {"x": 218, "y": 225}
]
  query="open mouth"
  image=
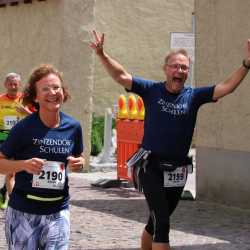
[{"x": 178, "y": 79}]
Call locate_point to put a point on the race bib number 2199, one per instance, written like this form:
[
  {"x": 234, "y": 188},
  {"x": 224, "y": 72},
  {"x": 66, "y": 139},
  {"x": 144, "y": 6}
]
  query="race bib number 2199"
[{"x": 176, "y": 178}]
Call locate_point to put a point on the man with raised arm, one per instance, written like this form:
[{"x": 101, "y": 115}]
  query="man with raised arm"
[{"x": 170, "y": 116}]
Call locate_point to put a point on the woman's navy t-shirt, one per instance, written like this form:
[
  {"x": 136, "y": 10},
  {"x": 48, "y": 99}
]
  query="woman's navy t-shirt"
[{"x": 30, "y": 138}]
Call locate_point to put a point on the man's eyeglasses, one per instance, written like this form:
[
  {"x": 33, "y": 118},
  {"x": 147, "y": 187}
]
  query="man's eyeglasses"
[{"x": 183, "y": 67}]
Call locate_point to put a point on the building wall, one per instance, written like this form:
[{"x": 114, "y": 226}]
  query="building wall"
[
  {"x": 59, "y": 32},
  {"x": 223, "y": 129},
  {"x": 137, "y": 34},
  {"x": 52, "y": 32}
]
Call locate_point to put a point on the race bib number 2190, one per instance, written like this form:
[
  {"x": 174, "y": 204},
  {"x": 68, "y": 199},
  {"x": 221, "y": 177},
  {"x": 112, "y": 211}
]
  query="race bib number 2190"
[{"x": 52, "y": 176}]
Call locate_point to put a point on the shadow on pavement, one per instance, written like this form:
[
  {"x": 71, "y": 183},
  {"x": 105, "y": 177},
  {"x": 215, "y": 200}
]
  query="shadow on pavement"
[
  {"x": 119, "y": 192},
  {"x": 194, "y": 217},
  {"x": 114, "y": 249},
  {"x": 134, "y": 209},
  {"x": 210, "y": 219},
  {"x": 218, "y": 246}
]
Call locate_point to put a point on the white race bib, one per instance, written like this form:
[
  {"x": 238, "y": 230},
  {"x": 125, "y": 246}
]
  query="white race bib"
[
  {"x": 52, "y": 176},
  {"x": 9, "y": 121},
  {"x": 176, "y": 178}
]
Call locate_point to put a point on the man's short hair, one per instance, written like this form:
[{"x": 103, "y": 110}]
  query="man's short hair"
[
  {"x": 174, "y": 52},
  {"x": 12, "y": 75}
]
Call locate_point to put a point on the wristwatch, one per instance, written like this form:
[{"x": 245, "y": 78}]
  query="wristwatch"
[{"x": 245, "y": 65}]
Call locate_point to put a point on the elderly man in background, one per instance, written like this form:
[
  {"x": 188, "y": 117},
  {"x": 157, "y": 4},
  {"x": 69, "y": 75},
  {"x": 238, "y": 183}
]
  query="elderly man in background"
[{"x": 11, "y": 111}]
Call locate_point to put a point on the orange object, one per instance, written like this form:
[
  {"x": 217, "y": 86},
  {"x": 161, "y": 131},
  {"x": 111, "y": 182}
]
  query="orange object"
[
  {"x": 132, "y": 109},
  {"x": 122, "y": 112},
  {"x": 129, "y": 137},
  {"x": 140, "y": 108}
]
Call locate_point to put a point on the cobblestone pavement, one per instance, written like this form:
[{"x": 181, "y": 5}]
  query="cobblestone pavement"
[{"x": 113, "y": 218}]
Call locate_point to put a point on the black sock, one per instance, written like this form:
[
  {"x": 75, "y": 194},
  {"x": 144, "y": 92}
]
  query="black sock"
[{"x": 3, "y": 190}]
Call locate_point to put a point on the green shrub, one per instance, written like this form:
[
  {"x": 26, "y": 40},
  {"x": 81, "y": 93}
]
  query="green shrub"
[{"x": 97, "y": 134}]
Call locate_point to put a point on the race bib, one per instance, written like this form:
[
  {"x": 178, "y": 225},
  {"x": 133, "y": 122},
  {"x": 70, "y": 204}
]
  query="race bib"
[
  {"x": 176, "y": 178},
  {"x": 9, "y": 121},
  {"x": 52, "y": 176}
]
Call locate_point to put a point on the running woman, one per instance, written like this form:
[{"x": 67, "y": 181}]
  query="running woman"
[{"x": 41, "y": 149}]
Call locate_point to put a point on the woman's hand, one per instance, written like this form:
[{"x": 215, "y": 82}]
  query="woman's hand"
[
  {"x": 33, "y": 165},
  {"x": 75, "y": 164}
]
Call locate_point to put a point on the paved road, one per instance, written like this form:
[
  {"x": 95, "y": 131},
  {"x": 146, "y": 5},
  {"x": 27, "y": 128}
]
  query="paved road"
[{"x": 112, "y": 219}]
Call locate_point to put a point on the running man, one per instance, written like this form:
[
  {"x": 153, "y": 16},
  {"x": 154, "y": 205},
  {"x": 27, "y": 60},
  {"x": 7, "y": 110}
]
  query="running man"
[
  {"x": 170, "y": 116},
  {"x": 11, "y": 111}
]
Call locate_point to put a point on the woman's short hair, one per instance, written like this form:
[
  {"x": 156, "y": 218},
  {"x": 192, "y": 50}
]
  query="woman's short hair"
[{"x": 37, "y": 74}]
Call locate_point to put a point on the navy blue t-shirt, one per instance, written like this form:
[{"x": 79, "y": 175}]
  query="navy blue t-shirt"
[
  {"x": 169, "y": 118},
  {"x": 30, "y": 138}
]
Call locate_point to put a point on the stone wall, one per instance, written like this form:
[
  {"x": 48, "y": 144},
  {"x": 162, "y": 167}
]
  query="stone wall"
[
  {"x": 138, "y": 36},
  {"x": 59, "y": 32},
  {"x": 54, "y": 32},
  {"x": 223, "y": 129}
]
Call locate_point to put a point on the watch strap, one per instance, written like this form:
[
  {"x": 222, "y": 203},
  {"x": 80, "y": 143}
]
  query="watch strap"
[{"x": 245, "y": 65}]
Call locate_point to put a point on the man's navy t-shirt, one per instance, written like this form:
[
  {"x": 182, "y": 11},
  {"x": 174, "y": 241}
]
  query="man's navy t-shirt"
[{"x": 169, "y": 118}]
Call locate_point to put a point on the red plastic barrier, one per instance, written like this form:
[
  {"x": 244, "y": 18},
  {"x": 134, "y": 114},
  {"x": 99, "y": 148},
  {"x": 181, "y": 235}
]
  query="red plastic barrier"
[{"x": 129, "y": 137}]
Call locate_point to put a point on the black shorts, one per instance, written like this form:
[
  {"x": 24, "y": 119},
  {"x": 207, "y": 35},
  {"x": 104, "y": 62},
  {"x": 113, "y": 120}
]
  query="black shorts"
[{"x": 161, "y": 201}]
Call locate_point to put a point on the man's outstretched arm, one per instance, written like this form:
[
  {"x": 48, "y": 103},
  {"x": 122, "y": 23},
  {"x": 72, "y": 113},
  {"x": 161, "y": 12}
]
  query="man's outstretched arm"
[
  {"x": 115, "y": 69},
  {"x": 233, "y": 81}
]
